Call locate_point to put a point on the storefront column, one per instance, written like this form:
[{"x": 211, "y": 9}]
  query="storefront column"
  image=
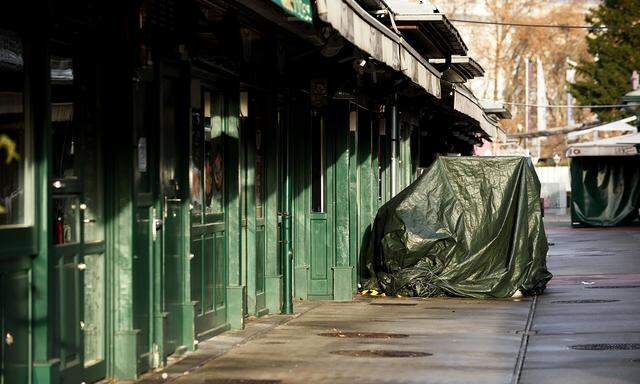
[
  {"x": 342, "y": 271},
  {"x": 273, "y": 276},
  {"x": 45, "y": 368},
  {"x": 235, "y": 289}
]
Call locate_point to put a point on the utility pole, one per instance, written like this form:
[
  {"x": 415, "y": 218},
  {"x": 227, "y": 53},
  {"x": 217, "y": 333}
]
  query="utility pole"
[
  {"x": 570, "y": 77},
  {"x": 541, "y": 103},
  {"x": 526, "y": 99}
]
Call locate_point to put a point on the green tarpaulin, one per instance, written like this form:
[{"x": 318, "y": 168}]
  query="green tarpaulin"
[
  {"x": 469, "y": 226},
  {"x": 605, "y": 190}
]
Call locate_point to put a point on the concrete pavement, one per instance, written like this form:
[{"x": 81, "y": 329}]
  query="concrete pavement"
[{"x": 593, "y": 299}]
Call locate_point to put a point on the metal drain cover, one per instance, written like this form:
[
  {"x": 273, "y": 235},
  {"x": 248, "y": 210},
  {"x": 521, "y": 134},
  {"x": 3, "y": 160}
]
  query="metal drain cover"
[
  {"x": 364, "y": 335},
  {"x": 613, "y": 286},
  {"x": 586, "y": 301},
  {"x": 400, "y": 304},
  {"x": 606, "y": 347},
  {"x": 380, "y": 353}
]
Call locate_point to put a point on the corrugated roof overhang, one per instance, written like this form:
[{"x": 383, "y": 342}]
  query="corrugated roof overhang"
[
  {"x": 365, "y": 32},
  {"x": 425, "y": 22},
  {"x": 467, "y": 66},
  {"x": 464, "y": 102},
  {"x": 459, "y": 70}
]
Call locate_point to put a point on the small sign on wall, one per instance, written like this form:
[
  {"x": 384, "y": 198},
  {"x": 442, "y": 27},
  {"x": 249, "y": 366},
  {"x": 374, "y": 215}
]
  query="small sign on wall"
[{"x": 353, "y": 121}]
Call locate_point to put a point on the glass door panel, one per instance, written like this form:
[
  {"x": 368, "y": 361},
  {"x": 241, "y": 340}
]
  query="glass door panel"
[{"x": 66, "y": 228}]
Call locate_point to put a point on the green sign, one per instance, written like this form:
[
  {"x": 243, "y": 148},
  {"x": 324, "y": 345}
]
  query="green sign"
[{"x": 298, "y": 8}]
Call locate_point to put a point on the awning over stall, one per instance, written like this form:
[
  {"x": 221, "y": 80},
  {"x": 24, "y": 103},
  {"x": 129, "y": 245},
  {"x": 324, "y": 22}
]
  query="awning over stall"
[
  {"x": 492, "y": 129},
  {"x": 424, "y": 22},
  {"x": 370, "y": 35},
  {"x": 417, "y": 69},
  {"x": 464, "y": 102},
  {"x": 625, "y": 145},
  {"x": 459, "y": 69}
]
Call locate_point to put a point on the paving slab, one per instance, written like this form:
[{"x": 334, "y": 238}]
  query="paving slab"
[{"x": 593, "y": 302}]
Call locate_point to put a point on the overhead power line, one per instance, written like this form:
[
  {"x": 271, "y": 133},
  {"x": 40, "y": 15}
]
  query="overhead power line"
[
  {"x": 595, "y": 106},
  {"x": 527, "y": 25}
]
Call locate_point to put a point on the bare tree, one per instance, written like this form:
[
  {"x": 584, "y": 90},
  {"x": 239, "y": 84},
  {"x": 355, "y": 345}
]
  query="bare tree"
[{"x": 502, "y": 50}]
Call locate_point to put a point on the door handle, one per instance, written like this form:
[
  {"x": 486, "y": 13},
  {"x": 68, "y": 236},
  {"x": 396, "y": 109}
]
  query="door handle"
[
  {"x": 157, "y": 225},
  {"x": 8, "y": 339}
]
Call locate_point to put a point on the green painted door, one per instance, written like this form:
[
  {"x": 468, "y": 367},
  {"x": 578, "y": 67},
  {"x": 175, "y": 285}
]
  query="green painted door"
[
  {"x": 170, "y": 224},
  {"x": 76, "y": 227},
  {"x": 320, "y": 245},
  {"x": 208, "y": 230},
  {"x": 15, "y": 297}
]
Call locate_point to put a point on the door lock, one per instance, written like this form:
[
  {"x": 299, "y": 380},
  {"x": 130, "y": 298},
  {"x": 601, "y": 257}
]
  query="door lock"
[
  {"x": 157, "y": 225},
  {"x": 8, "y": 339}
]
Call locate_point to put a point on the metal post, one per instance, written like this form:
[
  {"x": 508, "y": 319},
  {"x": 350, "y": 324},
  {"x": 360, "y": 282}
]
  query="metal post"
[
  {"x": 286, "y": 224},
  {"x": 526, "y": 99},
  {"x": 394, "y": 144}
]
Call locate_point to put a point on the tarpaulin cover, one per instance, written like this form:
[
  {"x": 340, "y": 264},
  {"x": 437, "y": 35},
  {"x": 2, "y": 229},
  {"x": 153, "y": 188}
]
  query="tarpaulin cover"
[
  {"x": 469, "y": 226},
  {"x": 605, "y": 190}
]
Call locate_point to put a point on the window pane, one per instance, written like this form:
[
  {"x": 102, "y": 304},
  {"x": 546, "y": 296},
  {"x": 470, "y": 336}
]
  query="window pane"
[
  {"x": 144, "y": 97},
  {"x": 169, "y": 138},
  {"x": 93, "y": 180},
  {"x": 214, "y": 157},
  {"x": 14, "y": 144},
  {"x": 93, "y": 188},
  {"x": 63, "y": 114},
  {"x": 259, "y": 170},
  {"x": 317, "y": 164},
  {"x": 199, "y": 121},
  {"x": 65, "y": 228}
]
